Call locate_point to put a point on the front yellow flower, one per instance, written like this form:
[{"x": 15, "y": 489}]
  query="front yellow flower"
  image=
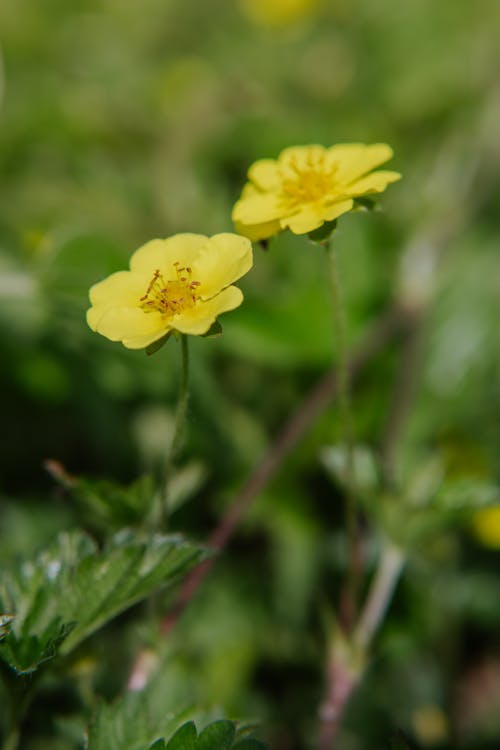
[
  {"x": 307, "y": 186},
  {"x": 179, "y": 284}
]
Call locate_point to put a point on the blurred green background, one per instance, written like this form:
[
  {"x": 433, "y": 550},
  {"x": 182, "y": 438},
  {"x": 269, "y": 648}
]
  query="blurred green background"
[{"x": 122, "y": 121}]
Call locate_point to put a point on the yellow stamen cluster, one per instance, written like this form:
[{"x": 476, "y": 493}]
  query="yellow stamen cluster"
[
  {"x": 172, "y": 296},
  {"x": 302, "y": 184}
]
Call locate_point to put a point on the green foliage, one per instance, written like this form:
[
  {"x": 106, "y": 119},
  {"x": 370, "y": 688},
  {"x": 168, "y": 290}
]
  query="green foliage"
[
  {"x": 72, "y": 589},
  {"x": 132, "y": 721}
]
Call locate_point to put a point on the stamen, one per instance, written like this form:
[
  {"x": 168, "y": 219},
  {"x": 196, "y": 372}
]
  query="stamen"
[{"x": 170, "y": 296}]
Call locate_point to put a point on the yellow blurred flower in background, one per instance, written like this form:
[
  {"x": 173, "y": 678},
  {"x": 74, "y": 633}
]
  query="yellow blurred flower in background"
[
  {"x": 307, "y": 186},
  {"x": 486, "y": 526},
  {"x": 276, "y": 13},
  {"x": 178, "y": 284}
]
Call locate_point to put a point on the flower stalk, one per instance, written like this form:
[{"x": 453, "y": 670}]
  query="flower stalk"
[
  {"x": 350, "y": 594},
  {"x": 179, "y": 425}
]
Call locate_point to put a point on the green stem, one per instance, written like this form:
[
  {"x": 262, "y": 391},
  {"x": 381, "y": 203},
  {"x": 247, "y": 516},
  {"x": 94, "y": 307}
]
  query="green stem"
[
  {"x": 350, "y": 595},
  {"x": 180, "y": 419}
]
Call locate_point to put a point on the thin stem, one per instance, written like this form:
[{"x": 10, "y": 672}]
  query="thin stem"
[
  {"x": 384, "y": 582},
  {"x": 342, "y": 678},
  {"x": 180, "y": 419},
  {"x": 313, "y": 405},
  {"x": 350, "y": 594}
]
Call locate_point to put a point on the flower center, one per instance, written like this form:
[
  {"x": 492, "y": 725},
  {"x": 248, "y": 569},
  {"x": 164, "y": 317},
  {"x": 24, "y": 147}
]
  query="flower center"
[
  {"x": 170, "y": 296},
  {"x": 309, "y": 181}
]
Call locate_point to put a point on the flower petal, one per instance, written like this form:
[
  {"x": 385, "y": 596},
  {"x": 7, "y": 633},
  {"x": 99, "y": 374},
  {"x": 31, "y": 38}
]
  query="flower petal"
[
  {"x": 258, "y": 208},
  {"x": 301, "y": 157},
  {"x": 162, "y": 254},
  {"x": 199, "y": 318},
  {"x": 256, "y": 232},
  {"x": 265, "y": 174},
  {"x": 372, "y": 183},
  {"x": 222, "y": 260},
  {"x": 353, "y": 160},
  {"x": 120, "y": 323},
  {"x": 309, "y": 217},
  {"x": 313, "y": 216},
  {"x": 141, "y": 342},
  {"x": 122, "y": 288}
]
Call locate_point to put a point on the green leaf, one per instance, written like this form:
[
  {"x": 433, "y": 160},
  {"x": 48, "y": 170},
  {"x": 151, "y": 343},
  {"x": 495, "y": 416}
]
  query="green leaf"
[
  {"x": 249, "y": 744},
  {"x": 158, "y": 745},
  {"x": 184, "y": 739},
  {"x": 109, "y": 504},
  {"x": 27, "y": 654},
  {"x": 131, "y": 723},
  {"x": 72, "y": 589},
  {"x": 5, "y": 621},
  {"x": 217, "y": 736}
]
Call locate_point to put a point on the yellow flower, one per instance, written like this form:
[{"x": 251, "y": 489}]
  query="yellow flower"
[
  {"x": 486, "y": 526},
  {"x": 307, "y": 186},
  {"x": 179, "y": 284},
  {"x": 275, "y": 13}
]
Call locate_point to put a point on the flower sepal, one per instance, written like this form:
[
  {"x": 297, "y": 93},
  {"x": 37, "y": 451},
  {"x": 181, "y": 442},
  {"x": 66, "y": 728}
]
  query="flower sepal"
[
  {"x": 214, "y": 330},
  {"x": 322, "y": 234},
  {"x": 364, "y": 203},
  {"x": 158, "y": 344}
]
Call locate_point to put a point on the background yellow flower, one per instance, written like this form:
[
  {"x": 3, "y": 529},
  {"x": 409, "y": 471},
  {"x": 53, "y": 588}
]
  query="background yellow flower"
[
  {"x": 178, "y": 284},
  {"x": 486, "y": 526},
  {"x": 308, "y": 186},
  {"x": 277, "y": 13}
]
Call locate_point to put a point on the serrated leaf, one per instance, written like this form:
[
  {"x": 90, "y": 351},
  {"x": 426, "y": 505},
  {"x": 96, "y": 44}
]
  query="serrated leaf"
[
  {"x": 5, "y": 621},
  {"x": 110, "y": 504},
  {"x": 130, "y": 723},
  {"x": 27, "y": 654},
  {"x": 185, "y": 738},
  {"x": 158, "y": 745},
  {"x": 217, "y": 736},
  {"x": 72, "y": 589}
]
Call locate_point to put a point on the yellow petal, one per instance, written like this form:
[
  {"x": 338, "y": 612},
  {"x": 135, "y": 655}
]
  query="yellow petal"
[
  {"x": 120, "y": 323},
  {"x": 353, "y": 160},
  {"x": 372, "y": 183},
  {"x": 257, "y": 232},
  {"x": 313, "y": 216},
  {"x": 162, "y": 254},
  {"x": 337, "y": 209},
  {"x": 122, "y": 288},
  {"x": 221, "y": 261},
  {"x": 303, "y": 157},
  {"x": 265, "y": 173},
  {"x": 257, "y": 209},
  {"x": 307, "y": 219},
  {"x": 141, "y": 342},
  {"x": 199, "y": 318}
]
